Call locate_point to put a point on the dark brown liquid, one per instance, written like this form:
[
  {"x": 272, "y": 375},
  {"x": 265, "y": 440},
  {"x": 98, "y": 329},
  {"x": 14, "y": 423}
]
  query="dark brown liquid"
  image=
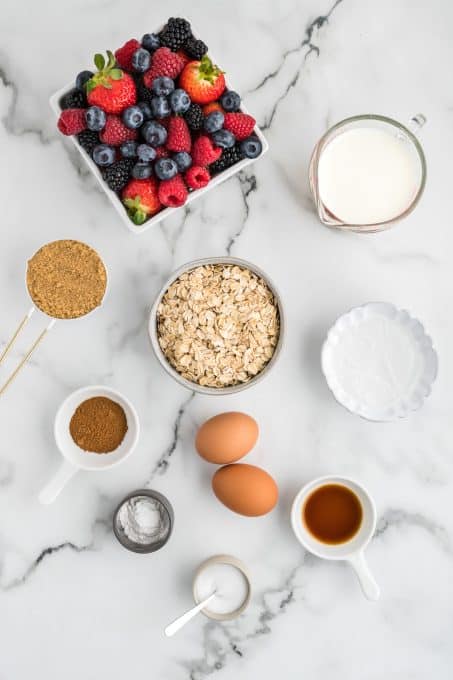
[{"x": 332, "y": 513}]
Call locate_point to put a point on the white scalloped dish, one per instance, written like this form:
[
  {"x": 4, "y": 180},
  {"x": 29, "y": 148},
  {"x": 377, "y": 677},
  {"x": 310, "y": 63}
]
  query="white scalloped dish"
[{"x": 379, "y": 362}]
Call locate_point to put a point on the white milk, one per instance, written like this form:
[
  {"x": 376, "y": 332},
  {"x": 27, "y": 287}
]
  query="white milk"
[
  {"x": 368, "y": 175},
  {"x": 229, "y": 583}
]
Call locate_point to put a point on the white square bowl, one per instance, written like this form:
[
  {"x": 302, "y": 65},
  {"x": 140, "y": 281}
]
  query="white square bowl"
[{"x": 166, "y": 212}]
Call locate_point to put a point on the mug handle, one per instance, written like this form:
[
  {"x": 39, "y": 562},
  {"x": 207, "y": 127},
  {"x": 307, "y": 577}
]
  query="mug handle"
[
  {"x": 366, "y": 579},
  {"x": 65, "y": 472}
]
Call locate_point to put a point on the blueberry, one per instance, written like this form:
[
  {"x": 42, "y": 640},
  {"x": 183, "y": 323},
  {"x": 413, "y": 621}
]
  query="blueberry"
[
  {"x": 213, "y": 121},
  {"x": 133, "y": 117},
  {"x": 103, "y": 155},
  {"x": 183, "y": 160},
  {"x": 146, "y": 110},
  {"x": 146, "y": 153},
  {"x": 230, "y": 101},
  {"x": 128, "y": 149},
  {"x": 165, "y": 168},
  {"x": 160, "y": 107},
  {"x": 95, "y": 118},
  {"x": 142, "y": 171},
  {"x": 82, "y": 78},
  {"x": 154, "y": 133},
  {"x": 251, "y": 147},
  {"x": 141, "y": 60},
  {"x": 150, "y": 41},
  {"x": 180, "y": 101},
  {"x": 162, "y": 86},
  {"x": 223, "y": 138}
]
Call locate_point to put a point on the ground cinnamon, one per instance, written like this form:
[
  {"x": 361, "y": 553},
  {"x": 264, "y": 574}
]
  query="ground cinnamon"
[{"x": 98, "y": 425}]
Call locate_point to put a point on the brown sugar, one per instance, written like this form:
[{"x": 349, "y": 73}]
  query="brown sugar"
[
  {"x": 66, "y": 279},
  {"x": 98, "y": 425}
]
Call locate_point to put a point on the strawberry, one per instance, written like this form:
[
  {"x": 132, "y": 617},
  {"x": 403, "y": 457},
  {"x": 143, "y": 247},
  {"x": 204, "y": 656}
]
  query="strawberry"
[
  {"x": 110, "y": 88},
  {"x": 197, "y": 177},
  {"x": 204, "y": 152},
  {"x": 178, "y": 138},
  {"x": 124, "y": 54},
  {"x": 115, "y": 132},
  {"x": 164, "y": 63},
  {"x": 213, "y": 106},
  {"x": 240, "y": 124},
  {"x": 173, "y": 192},
  {"x": 202, "y": 80},
  {"x": 141, "y": 199},
  {"x": 72, "y": 121}
]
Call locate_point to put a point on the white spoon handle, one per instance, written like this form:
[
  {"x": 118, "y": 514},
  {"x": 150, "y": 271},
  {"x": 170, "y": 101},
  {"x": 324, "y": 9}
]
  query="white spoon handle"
[
  {"x": 366, "y": 579},
  {"x": 181, "y": 621}
]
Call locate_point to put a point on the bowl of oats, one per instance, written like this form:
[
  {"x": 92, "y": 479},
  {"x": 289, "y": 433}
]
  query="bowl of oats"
[{"x": 217, "y": 325}]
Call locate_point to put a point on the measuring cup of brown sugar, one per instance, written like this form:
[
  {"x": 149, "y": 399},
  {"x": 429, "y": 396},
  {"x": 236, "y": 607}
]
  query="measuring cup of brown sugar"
[
  {"x": 335, "y": 518},
  {"x": 65, "y": 279},
  {"x": 95, "y": 428}
]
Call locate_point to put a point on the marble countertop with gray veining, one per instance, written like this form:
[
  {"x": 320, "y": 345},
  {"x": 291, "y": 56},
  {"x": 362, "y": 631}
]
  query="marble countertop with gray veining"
[{"x": 73, "y": 603}]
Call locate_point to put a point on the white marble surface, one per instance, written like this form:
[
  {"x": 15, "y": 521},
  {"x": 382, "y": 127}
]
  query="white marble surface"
[{"x": 73, "y": 603}]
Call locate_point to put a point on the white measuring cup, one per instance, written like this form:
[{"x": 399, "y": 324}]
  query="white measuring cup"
[
  {"x": 351, "y": 551},
  {"x": 75, "y": 458}
]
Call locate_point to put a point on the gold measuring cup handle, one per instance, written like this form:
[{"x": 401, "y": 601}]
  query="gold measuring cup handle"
[{"x": 28, "y": 354}]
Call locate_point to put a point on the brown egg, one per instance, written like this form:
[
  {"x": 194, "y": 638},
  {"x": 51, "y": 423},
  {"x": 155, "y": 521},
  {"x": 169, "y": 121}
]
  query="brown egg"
[
  {"x": 245, "y": 489},
  {"x": 227, "y": 437}
]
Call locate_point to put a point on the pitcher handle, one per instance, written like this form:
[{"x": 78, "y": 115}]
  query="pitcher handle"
[{"x": 416, "y": 123}]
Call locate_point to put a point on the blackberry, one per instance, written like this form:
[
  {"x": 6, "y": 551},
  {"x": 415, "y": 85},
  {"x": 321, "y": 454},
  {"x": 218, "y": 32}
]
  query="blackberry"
[
  {"x": 74, "y": 99},
  {"x": 228, "y": 158},
  {"x": 117, "y": 175},
  {"x": 194, "y": 117},
  {"x": 175, "y": 34},
  {"x": 143, "y": 93},
  {"x": 196, "y": 49},
  {"x": 88, "y": 140}
]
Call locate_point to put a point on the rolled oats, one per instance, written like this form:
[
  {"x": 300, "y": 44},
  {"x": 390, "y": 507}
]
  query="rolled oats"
[{"x": 218, "y": 325}]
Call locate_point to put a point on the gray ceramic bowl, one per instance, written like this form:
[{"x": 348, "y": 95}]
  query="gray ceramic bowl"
[
  {"x": 147, "y": 547},
  {"x": 152, "y": 326}
]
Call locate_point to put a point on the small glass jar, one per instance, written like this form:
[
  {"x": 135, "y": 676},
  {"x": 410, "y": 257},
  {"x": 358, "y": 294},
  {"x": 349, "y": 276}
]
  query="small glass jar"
[{"x": 374, "y": 122}]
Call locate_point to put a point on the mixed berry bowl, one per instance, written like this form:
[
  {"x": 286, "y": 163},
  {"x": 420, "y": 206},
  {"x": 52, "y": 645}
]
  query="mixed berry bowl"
[{"x": 158, "y": 124}]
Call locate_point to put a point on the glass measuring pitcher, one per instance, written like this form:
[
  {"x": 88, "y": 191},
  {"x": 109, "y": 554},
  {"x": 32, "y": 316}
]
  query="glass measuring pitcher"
[{"x": 367, "y": 172}]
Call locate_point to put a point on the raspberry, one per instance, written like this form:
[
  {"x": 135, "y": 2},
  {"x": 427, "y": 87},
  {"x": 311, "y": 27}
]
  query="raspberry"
[
  {"x": 178, "y": 138},
  {"x": 72, "y": 121},
  {"x": 161, "y": 152},
  {"x": 240, "y": 124},
  {"x": 197, "y": 177},
  {"x": 124, "y": 54},
  {"x": 115, "y": 132},
  {"x": 173, "y": 192},
  {"x": 164, "y": 63},
  {"x": 203, "y": 151},
  {"x": 185, "y": 59}
]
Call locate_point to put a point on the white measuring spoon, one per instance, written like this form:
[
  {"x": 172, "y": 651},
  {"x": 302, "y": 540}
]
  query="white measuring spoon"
[{"x": 181, "y": 621}]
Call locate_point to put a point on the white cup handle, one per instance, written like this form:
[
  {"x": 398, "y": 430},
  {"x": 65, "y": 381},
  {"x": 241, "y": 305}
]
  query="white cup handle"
[
  {"x": 65, "y": 472},
  {"x": 366, "y": 579}
]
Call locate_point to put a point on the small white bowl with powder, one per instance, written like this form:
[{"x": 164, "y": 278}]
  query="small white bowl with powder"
[
  {"x": 228, "y": 577},
  {"x": 379, "y": 362},
  {"x": 143, "y": 521}
]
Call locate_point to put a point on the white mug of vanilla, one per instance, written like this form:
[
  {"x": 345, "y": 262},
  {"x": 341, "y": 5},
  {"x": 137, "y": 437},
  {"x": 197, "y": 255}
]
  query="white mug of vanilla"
[{"x": 367, "y": 172}]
